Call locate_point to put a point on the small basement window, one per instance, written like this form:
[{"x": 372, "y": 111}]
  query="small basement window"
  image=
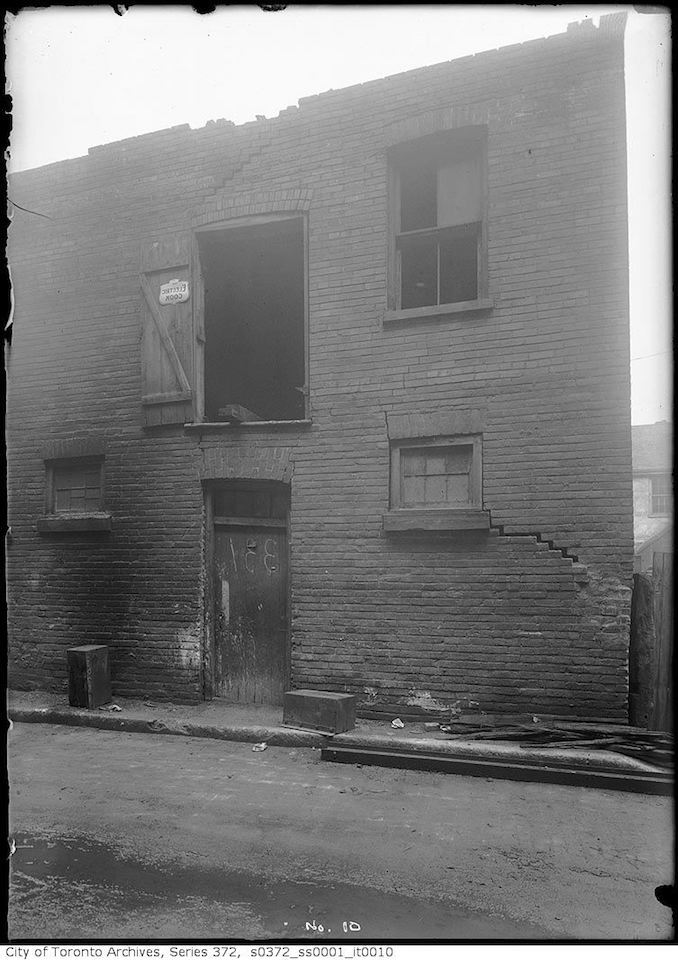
[
  {"x": 74, "y": 496},
  {"x": 436, "y": 484},
  {"x": 255, "y": 327},
  {"x": 439, "y": 220}
]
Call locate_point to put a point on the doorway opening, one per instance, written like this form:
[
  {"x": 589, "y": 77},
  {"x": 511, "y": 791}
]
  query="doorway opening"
[
  {"x": 249, "y": 587},
  {"x": 255, "y": 320}
]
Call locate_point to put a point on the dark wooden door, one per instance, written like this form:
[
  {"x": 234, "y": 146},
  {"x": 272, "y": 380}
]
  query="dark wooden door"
[{"x": 250, "y": 591}]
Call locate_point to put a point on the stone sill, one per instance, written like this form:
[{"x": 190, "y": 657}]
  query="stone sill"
[
  {"x": 405, "y": 520},
  {"x": 75, "y": 523},
  {"x": 248, "y": 424},
  {"x": 437, "y": 312}
]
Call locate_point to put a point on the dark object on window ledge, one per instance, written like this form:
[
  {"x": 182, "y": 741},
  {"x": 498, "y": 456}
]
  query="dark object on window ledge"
[{"x": 235, "y": 413}]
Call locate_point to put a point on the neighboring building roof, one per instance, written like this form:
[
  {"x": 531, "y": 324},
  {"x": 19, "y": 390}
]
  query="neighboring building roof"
[{"x": 652, "y": 446}]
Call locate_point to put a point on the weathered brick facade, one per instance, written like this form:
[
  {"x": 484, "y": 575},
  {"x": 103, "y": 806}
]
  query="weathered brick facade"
[{"x": 532, "y": 615}]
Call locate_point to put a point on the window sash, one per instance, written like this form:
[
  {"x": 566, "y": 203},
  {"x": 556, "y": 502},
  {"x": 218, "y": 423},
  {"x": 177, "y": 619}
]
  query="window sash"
[
  {"x": 74, "y": 488},
  {"x": 437, "y": 237},
  {"x": 399, "y": 475}
]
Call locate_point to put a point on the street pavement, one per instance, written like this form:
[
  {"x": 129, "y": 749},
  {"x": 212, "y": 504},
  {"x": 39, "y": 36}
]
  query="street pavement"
[{"x": 139, "y": 836}]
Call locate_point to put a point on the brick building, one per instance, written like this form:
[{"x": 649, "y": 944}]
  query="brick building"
[{"x": 338, "y": 399}]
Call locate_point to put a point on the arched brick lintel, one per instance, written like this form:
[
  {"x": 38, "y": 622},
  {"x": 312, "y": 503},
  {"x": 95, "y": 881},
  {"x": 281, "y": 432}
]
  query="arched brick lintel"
[
  {"x": 245, "y": 463},
  {"x": 225, "y": 205},
  {"x": 436, "y": 121}
]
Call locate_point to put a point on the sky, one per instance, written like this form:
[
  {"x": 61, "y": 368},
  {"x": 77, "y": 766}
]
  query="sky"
[{"x": 82, "y": 76}]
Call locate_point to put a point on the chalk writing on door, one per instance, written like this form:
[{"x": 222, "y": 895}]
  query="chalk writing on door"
[
  {"x": 250, "y": 555},
  {"x": 226, "y": 599},
  {"x": 270, "y": 556}
]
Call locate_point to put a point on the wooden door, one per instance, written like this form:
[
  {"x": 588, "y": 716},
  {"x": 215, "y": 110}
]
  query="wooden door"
[
  {"x": 172, "y": 332},
  {"x": 250, "y": 593}
]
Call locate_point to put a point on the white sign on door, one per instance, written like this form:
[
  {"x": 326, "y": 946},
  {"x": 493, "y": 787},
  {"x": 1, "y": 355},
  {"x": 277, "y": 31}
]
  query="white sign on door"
[{"x": 176, "y": 291}]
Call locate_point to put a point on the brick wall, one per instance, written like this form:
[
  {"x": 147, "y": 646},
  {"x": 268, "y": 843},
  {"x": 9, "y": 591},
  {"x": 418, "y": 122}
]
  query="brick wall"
[{"x": 532, "y": 616}]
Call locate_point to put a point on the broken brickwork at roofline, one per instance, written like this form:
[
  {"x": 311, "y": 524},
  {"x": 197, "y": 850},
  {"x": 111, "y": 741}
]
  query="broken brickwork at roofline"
[{"x": 529, "y": 613}]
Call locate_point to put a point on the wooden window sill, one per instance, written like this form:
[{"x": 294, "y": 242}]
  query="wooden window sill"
[
  {"x": 75, "y": 523},
  {"x": 437, "y": 312},
  {"x": 405, "y": 520},
  {"x": 247, "y": 424}
]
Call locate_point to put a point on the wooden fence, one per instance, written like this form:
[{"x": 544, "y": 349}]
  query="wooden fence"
[
  {"x": 651, "y": 649},
  {"x": 662, "y": 577}
]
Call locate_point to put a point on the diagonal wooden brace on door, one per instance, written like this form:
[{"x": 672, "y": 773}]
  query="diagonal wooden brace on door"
[{"x": 185, "y": 392}]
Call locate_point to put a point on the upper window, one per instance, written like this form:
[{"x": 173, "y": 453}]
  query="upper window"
[
  {"x": 440, "y": 219},
  {"x": 660, "y": 500}
]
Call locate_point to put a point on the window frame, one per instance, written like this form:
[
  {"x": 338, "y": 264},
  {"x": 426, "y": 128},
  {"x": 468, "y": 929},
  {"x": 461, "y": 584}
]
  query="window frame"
[
  {"x": 416, "y": 443},
  {"x": 445, "y": 516},
  {"x": 67, "y": 521},
  {"x": 477, "y": 136},
  {"x": 666, "y": 478}
]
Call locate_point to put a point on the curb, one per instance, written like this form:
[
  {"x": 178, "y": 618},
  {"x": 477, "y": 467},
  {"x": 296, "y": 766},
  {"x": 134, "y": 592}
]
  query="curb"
[
  {"x": 598, "y": 761},
  {"x": 274, "y": 736},
  {"x": 573, "y": 774}
]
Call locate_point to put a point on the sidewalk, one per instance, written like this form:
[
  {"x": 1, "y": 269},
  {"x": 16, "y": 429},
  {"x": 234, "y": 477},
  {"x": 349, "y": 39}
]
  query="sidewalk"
[{"x": 255, "y": 724}]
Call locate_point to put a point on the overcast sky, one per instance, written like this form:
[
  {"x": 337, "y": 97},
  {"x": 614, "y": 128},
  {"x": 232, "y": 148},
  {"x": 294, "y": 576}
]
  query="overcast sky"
[{"x": 81, "y": 76}]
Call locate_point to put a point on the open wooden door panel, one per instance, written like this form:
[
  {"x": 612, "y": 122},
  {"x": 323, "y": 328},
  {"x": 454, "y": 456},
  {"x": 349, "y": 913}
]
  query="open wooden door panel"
[{"x": 170, "y": 289}]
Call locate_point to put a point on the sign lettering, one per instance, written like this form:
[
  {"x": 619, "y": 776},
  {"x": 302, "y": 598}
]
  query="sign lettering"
[{"x": 176, "y": 291}]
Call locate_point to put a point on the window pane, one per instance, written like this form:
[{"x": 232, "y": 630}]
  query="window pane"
[
  {"x": 279, "y": 506},
  {"x": 436, "y": 476},
  {"x": 413, "y": 491},
  {"x": 459, "y": 264},
  {"x": 459, "y": 194},
  {"x": 419, "y": 271},
  {"x": 458, "y": 459},
  {"x": 77, "y": 488},
  {"x": 244, "y": 503},
  {"x": 413, "y": 463},
  {"x": 418, "y": 204},
  {"x": 435, "y": 490},
  {"x": 224, "y": 503},
  {"x": 261, "y": 504},
  {"x": 458, "y": 488}
]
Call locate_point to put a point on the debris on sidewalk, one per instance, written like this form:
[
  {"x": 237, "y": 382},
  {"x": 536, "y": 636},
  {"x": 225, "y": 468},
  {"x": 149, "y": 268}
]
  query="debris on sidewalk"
[
  {"x": 397, "y": 723},
  {"x": 258, "y": 747},
  {"x": 649, "y": 746},
  {"x": 111, "y": 707}
]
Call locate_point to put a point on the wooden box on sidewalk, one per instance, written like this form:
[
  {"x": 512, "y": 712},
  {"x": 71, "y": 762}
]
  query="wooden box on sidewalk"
[
  {"x": 89, "y": 676},
  {"x": 319, "y": 710}
]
